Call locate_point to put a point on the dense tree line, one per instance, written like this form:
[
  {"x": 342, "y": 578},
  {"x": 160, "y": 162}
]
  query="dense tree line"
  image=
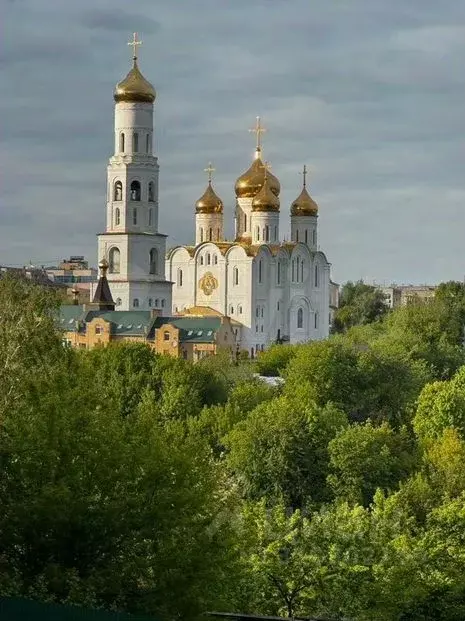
[{"x": 137, "y": 482}]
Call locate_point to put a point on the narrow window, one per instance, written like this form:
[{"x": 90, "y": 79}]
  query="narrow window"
[
  {"x": 300, "y": 318},
  {"x": 317, "y": 276},
  {"x": 201, "y": 235},
  {"x": 179, "y": 277},
  {"x": 236, "y": 276},
  {"x": 258, "y": 233},
  {"x": 135, "y": 303},
  {"x": 301, "y": 270},
  {"x": 306, "y": 236},
  {"x": 118, "y": 302},
  {"x": 150, "y": 302},
  {"x": 117, "y": 216},
  {"x": 245, "y": 222},
  {"x": 134, "y": 215},
  {"x": 314, "y": 236},
  {"x": 267, "y": 233},
  {"x": 210, "y": 234},
  {"x": 151, "y": 192},
  {"x": 135, "y": 142},
  {"x": 257, "y": 312},
  {"x": 297, "y": 235},
  {"x": 293, "y": 269},
  {"x": 316, "y": 321},
  {"x": 276, "y": 233},
  {"x": 278, "y": 275},
  {"x": 231, "y": 310},
  {"x": 201, "y": 260},
  {"x": 135, "y": 191},
  {"x": 215, "y": 260},
  {"x": 114, "y": 261},
  {"x": 163, "y": 303},
  {"x": 166, "y": 336},
  {"x": 157, "y": 303},
  {"x": 209, "y": 260},
  {"x": 239, "y": 310},
  {"x": 262, "y": 312},
  {"x": 153, "y": 261},
  {"x": 218, "y": 235},
  {"x": 118, "y": 191},
  {"x": 121, "y": 143},
  {"x": 147, "y": 143},
  {"x": 150, "y": 216},
  {"x": 260, "y": 271}
]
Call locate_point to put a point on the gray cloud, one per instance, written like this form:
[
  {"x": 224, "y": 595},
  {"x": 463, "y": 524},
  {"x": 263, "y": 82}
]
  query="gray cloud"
[{"x": 368, "y": 93}]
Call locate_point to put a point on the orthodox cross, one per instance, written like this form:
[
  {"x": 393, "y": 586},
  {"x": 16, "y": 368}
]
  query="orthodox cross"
[
  {"x": 258, "y": 130},
  {"x": 209, "y": 170},
  {"x": 304, "y": 173},
  {"x": 134, "y": 43}
]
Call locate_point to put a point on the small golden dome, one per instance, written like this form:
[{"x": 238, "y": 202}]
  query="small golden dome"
[
  {"x": 304, "y": 205},
  {"x": 209, "y": 202},
  {"x": 266, "y": 199},
  {"x": 135, "y": 88},
  {"x": 251, "y": 182}
]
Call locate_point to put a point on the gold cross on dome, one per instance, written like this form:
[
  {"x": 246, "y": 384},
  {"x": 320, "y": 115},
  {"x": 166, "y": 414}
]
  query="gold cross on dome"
[
  {"x": 258, "y": 130},
  {"x": 267, "y": 167},
  {"x": 134, "y": 43},
  {"x": 209, "y": 170}
]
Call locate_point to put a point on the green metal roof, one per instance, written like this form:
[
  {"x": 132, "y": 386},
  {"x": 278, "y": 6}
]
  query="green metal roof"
[
  {"x": 140, "y": 323},
  {"x": 12, "y": 609}
]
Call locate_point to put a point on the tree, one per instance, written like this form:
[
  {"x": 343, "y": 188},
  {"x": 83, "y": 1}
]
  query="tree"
[
  {"x": 359, "y": 304},
  {"x": 279, "y": 451},
  {"x": 364, "y": 458},
  {"x": 273, "y": 361}
]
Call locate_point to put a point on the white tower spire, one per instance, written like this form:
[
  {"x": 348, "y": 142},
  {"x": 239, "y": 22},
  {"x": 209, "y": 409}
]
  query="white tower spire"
[{"x": 131, "y": 243}]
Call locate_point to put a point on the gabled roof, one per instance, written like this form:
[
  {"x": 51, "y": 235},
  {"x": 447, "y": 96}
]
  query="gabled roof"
[{"x": 192, "y": 329}]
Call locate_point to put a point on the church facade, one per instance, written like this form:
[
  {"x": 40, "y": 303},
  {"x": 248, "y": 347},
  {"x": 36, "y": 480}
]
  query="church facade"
[{"x": 276, "y": 290}]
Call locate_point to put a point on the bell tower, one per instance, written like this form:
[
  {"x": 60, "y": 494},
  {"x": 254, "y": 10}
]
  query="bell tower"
[{"x": 132, "y": 244}]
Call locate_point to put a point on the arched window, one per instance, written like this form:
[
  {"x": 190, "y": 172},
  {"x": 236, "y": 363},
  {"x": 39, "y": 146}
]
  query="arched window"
[
  {"x": 297, "y": 235},
  {"x": 147, "y": 143},
  {"x": 201, "y": 235},
  {"x": 231, "y": 310},
  {"x": 278, "y": 273},
  {"x": 314, "y": 236},
  {"x": 179, "y": 277},
  {"x": 117, "y": 217},
  {"x": 134, "y": 215},
  {"x": 118, "y": 302},
  {"x": 118, "y": 191},
  {"x": 316, "y": 321},
  {"x": 114, "y": 261},
  {"x": 239, "y": 310},
  {"x": 267, "y": 233},
  {"x": 150, "y": 302},
  {"x": 209, "y": 259},
  {"x": 297, "y": 269},
  {"x": 245, "y": 222},
  {"x": 317, "y": 276},
  {"x": 258, "y": 233},
  {"x": 201, "y": 260},
  {"x": 210, "y": 234},
  {"x": 236, "y": 276},
  {"x": 293, "y": 270},
  {"x": 150, "y": 216},
  {"x": 260, "y": 271},
  {"x": 151, "y": 192},
  {"x": 157, "y": 303},
  {"x": 153, "y": 261},
  {"x": 215, "y": 260},
  {"x": 300, "y": 318},
  {"x": 135, "y": 191},
  {"x": 135, "y": 303},
  {"x": 301, "y": 270},
  {"x": 135, "y": 142},
  {"x": 306, "y": 236},
  {"x": 121, "y": 143}
]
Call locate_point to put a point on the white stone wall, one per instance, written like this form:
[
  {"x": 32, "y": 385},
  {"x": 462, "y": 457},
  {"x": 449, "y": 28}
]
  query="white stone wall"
[
  {"x": 206, "y": 222},
  {"x": 304, "y": 230},
  {"x": 265, "y": 227}
]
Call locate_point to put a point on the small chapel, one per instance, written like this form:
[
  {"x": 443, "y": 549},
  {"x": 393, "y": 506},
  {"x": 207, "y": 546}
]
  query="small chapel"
[{"x": 274, "y": 290}]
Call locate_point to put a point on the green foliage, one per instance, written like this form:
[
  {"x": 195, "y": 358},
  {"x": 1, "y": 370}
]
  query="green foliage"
[
  {"x": 280, "y": 451},
  {"x": 359, "y": 304},
  {"x": 273, "y": 361},
  {"x": 364, "y": 458}
]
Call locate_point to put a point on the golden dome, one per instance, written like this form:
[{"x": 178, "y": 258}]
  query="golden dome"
[
  {"x": 209, "y": 202},
  {"x": 135, "y": 88},
  {"x": 304, "y": 205},
  {"x": 266, "y": 199},
  {"x": 251, "y": 182}
]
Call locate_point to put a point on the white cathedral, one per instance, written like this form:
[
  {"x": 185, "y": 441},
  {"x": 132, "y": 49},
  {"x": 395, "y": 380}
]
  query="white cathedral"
[{"x": 276, "y": 291}]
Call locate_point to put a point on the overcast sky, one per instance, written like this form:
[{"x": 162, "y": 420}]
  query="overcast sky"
[{"x": 368, "y": 93}]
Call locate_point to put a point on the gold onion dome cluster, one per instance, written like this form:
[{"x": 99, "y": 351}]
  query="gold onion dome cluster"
[
  {"x": 251, "y": 182},
  {"x": 304, "y": 205},
  {"x": 209, "y": 202},
  {"x": 134, "y": 88}
]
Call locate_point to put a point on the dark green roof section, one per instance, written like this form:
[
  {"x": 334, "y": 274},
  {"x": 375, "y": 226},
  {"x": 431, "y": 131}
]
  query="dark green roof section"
[
  {"x": 12, "y": 609},
  {"x": 140, "y": 323},
  {"x": 192, "y": 329}
]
